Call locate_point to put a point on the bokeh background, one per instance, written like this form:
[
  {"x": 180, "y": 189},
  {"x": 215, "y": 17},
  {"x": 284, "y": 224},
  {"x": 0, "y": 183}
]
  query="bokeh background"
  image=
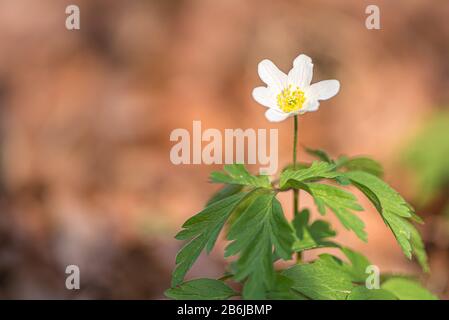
[{"x": 85, "y": 120}]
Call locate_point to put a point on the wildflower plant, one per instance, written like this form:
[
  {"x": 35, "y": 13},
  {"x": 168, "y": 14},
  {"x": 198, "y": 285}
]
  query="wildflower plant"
[{"x": 247, "y": 210}]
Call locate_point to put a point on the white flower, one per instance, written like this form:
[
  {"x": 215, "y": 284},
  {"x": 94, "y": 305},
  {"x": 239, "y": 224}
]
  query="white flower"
[{"x": 287, "y": 95}]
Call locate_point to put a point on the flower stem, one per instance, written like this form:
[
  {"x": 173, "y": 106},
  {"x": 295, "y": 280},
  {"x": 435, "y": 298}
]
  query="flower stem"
[
  {"x": 295, "y": 144},
  {"x": 296, "y": 191}
]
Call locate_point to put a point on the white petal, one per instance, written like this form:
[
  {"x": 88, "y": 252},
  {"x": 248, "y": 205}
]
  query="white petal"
[
  {"x": 323, "y": 90},
  {"x": 271, "y": 75},
  {"x": 274, "y": 115},
  {"x": 310, "y": 105},
  {"x": 302, "y": 72},
  {"x": 265, "y": 97}
]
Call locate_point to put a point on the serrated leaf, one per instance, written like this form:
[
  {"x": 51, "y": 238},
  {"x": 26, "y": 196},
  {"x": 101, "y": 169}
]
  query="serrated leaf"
[
  {"x": 405, "y": 289},
  {"x": 341, "y": 203},
  {"x": 331, "y": 261},
  {"x": 226, "y": 191},
  {"x": 394, "y": 210},
  {"x": 418, "y": 248},
  {"x": 297, "y": 166},
  {"x": 363, "y": 293},
  {"x": 237, "y": 174},
  {"x": 357, "y": 267},
  {"x": 310, "y": 236},
  {"x": 202, "y": 230},
  {"x": 318, "y": 170},
  {"x": 320, "y": 154},
  {"x": 344, "y": 181},
  {"x": 201, "y": 289},
  {"x": 254, "y": 233},
  {"x": 282, "y": 290},
  {"x": 320, "y": 280},
  {"x": 364, "y": 164},
  {"x": 388, "y": 199}
]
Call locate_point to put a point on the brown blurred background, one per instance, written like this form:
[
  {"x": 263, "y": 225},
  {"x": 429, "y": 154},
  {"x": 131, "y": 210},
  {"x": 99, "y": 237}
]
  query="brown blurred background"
[{"x": 85, "y": 119}]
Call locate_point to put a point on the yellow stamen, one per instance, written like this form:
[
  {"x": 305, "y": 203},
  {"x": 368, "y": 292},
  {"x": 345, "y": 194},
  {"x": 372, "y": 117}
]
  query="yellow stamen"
[{"x": 290, "y": 99}]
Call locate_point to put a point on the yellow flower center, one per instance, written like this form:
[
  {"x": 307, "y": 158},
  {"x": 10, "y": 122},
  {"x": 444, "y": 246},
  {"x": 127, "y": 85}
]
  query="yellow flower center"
[{"x": 290, "y": 99}]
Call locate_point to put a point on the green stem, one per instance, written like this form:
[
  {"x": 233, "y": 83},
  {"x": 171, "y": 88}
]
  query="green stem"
[
  {"x": 296, "y": 191},
  {"x": 295, "y": 144}
]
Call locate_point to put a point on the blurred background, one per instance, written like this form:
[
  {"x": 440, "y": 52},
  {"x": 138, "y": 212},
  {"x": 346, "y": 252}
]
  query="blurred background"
[{"x": 86, "y": 115}]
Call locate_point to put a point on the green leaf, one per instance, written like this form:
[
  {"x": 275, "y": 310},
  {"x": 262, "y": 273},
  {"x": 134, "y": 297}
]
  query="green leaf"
[
  {"x": 201, "y": 289},
  {"x": 202, "y": 230},
  {"x": 282, "y": 290},
  {"x": 237, "y": 174},
  {"x": 363, "y": 293},
  {"x": 341, "y": 203},
  {"x": 320, "y": 154},
  {"x": 360, "y": 164},
  {"x": 395, "y": 211},
  {"x": 419, "y": 251},
  {"x": 310, "y": 236},
  {"x": 405, "y": 289},
  {"x": 299, "y": 165},
  {"x": 320, "y": 280},
  {"x": 426, "y": 154},
  {"x": 254, "y": 233},
  {"x": 357, "y": 267},
  {"x": 226, "y": 191},
  {"x": 318, "y": 170},
  {"x": 342, "y": 180}
]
